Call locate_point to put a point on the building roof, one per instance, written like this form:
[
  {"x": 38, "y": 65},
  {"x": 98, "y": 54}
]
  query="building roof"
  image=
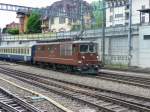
[
  {"x": 145, "y": 10},
  {"x": 69, "y": 7}
]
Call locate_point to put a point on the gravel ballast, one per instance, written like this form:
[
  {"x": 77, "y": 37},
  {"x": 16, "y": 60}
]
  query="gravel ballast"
[
  {"x": 115, "y": 86},
  {"x": 40, "y": 102}
]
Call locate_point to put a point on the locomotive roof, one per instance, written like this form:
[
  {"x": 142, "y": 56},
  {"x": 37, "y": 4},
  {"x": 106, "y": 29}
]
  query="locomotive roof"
[
  {"x": 30, "y": 45},
  {"x": 73, "y": 42}
]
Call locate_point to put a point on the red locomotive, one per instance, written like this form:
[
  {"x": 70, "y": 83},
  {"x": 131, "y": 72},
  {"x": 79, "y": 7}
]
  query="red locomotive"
[{"x": 78, "y": 56}]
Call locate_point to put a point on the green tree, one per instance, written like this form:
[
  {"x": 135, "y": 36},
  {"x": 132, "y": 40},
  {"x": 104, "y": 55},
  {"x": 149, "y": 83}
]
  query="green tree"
[
  {"x": 97, "y": 14},
  {"x": 13, "y": 31},
  {"x": 34, "y": 23}
]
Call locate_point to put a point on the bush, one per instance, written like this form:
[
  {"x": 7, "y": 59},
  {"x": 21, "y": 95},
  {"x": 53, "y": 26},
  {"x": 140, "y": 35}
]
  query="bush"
[
  {"x": 13, "y": 31},
  {"x": 34, "y": 24}
]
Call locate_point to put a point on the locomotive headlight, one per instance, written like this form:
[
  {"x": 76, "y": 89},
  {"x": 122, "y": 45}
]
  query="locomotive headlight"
[
  {"x": 79, "y": 62},
  {"x": 97, "y": 57},
  {"x": 96, "y": 66},
  {"x": 83, "y": 57}
]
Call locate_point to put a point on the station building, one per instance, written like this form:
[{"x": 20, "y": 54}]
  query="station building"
[{"x": 119, "y": 15}]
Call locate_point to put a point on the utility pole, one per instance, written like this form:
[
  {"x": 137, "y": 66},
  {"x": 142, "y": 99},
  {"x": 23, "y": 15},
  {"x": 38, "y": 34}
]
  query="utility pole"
[
  {"x": 82, "y": 15},
  {"x": 130, "y": 32},
  {"x": 103, "y": 30},
  {"x": 0, "y": 36}
]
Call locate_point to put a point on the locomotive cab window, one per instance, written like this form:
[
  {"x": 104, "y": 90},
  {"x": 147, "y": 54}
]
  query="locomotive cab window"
[
  {"x": 87, "y": 48},
  {"x": 84, "y": 48},
  {"x": 92, "y": 48}
]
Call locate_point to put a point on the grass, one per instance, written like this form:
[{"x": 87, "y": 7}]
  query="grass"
[{"x": 117, "y": 66}]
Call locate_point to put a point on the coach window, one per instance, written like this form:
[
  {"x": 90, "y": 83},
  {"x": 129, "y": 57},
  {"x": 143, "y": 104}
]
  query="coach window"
[
  {"x": 8, "y": 51},
  {"x": 27, "y": 50},
  {"x": 11, "y": 50},
  {"x": 24, "y": 50},
  {"x": 18, "y": 50},
  {"x": 21, "y": 50},
  {"x": 14, "y": 50}
]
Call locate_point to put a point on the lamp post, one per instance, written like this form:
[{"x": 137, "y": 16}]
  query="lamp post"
[{"x": 82, "y": 15}]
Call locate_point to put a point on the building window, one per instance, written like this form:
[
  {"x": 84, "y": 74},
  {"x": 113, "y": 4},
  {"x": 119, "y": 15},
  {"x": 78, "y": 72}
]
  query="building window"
[
  {"x": 118, "y": 15},
  {"x": 52, "y": 20},
  {"x": 62, "y": 20},
  {"x": 146, "y": 37},
  {"x": 126, "y": 7},
  {"x": 127, "y": 16},
  {"x": 143, "y": 19},
  {"x": 69, "y": 21},
  {"x": 143, "y": 7},
  {"x": 111, "y": 9},
  {"x": 111, "y": 18}
]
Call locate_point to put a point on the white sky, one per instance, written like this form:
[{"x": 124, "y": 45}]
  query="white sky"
[{"x": 8, "y": 17}]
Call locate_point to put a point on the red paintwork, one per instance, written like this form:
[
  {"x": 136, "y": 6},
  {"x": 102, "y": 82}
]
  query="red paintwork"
[{"x": 54, "y": 56}]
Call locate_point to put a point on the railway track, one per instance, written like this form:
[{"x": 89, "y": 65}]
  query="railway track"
[
  {"x": 126, "y": 79},
  {"x": 131, "y": 80},
  {"x": 11, "y": 103},
  {"x": 104, "y": 100}
]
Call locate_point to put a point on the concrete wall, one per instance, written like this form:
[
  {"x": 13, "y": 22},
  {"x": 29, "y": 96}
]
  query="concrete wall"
[
  {"x": 116, "y": 50},
  {"x": 116, "y": 43},
  {"x": 144, "y": 47}
]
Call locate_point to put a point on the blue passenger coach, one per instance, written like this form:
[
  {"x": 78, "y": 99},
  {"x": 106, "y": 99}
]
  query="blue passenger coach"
[{"x": 17, "y": 53}]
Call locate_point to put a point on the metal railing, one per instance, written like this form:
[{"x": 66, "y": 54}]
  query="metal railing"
[{"x": 95, "y": 33}]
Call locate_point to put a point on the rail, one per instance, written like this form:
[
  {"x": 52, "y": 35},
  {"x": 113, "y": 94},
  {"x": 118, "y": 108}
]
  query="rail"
[
  {"x": 11, "y": 103},
  {"x": 101, "y": 99}
]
